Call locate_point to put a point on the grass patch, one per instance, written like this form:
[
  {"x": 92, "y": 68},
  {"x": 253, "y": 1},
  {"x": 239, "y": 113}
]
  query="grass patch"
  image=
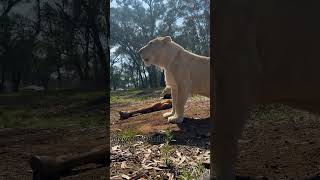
[
  {"x": 274, "y": 112},
  {"x": 169, "y": 136},
  {"x": 114, "y": 99},
  {"x": 131, "y": 95},
  {"x": 193, "y": 173},
  {"x": 14, "y": 118},
  {"x": 126, "y": 136},
  {"x": 167, "y": 150},
  {"x": 26, "y": 119},
  {"x": 52, "y": 109}
]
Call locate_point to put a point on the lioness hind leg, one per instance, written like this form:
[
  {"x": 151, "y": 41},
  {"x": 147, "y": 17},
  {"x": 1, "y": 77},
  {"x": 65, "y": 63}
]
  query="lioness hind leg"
[
  {"x": 181, "y": 99},
  {"x": 174, "y": 100}
]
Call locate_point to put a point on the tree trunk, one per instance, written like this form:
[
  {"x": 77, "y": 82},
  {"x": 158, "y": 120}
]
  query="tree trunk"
[
  {"x": 162, "y": 80},
  {"x": 150, "y": 77},
  {"x": 44, "y": 83},
  {"x": 153, "y": 77},
  {"x": 145, "y": 75},
  {"x": 79, "y": 70},
  {"x": 76, "y": 8},
  {"x": 95, "y": 68},
  {"x": 58, "y": 64},
  {"x": 59, "y": 73},
  {"x": 2, "y": 86},
  {"x": 86, "y": 55},
  {"x": 10, "y": 5},
  {"x": 16, "y": 78},
  {"x": 142, "y": 84},
  {"x": 38, "y": 26},
  {"x": 103, "y": 57}
]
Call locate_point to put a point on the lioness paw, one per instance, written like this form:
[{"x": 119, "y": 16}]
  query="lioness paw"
[
  {"x": 167, "y": 114},
  {"x": 175, "y": 119}
]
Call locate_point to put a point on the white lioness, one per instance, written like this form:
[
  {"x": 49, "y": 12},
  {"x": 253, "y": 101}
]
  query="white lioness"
[{"x": 185, "y": 73}]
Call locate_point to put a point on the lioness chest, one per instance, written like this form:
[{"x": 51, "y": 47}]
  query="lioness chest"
[{"x": 195, "y": 72}]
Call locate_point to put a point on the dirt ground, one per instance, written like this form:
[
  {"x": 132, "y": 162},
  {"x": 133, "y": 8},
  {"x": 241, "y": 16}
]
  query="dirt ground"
[
  {"x": 278, "y": 143},
  {"x": 18, "y": 144},
  {"x": 54, "y": 123},
  {"x": 145, "y": 158}
]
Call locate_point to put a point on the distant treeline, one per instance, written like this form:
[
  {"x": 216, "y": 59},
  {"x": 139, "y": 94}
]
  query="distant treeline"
[
  {"x": 55, "y": 39},
  {"x": 135, "y": 22}
]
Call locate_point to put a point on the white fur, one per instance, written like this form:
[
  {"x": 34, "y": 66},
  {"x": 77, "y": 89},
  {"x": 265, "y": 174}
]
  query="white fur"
[{"x": 185, "y": 72}]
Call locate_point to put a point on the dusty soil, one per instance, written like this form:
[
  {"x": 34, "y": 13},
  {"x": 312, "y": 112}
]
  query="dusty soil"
[
  {"x": 286, "y": 146},
  {"x": 145, "y": 158},
  {"x": 53, "y": 123},
  {"x": 278, "y": 143},
  {"x": 18, "y": 144}
]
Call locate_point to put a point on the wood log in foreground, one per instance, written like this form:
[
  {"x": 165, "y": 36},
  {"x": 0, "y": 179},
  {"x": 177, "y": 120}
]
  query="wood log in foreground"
[
  {"x": 165, "y": 104},
  {"x": 52, "y": 168}
]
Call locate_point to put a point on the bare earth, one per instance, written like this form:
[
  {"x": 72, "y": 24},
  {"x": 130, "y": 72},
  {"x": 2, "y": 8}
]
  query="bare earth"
[
  {"x": 17, "y": 146},
  {"x": 278, "y": 143},
  {"x": 53, "y": 123},
  {"x": 145, "y": 158}
]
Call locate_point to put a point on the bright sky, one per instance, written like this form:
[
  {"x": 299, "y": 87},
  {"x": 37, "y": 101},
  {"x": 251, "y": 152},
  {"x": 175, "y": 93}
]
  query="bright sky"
[{"x": 113, "y": 4}]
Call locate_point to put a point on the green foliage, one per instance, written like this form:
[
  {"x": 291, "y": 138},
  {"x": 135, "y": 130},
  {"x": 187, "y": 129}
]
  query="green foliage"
[
  {"x": 169, "y": 136},
  {"x": 52, "y": 109},
  {"x": 134, "y": 23},
  {"x": 56, "y": 44},
  {"x": 166, "y": 151},
  {"x": 186, "y": 175},
  {"x": 273, "y": 112},
  {"x": 132, "y": 95},
  {"x": 127, "y": 136},
  {"x": 193, "y": 173}
]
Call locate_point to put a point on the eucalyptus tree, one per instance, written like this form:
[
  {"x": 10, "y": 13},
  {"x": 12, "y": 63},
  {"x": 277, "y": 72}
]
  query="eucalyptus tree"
[{"x": 135, "y": 22}]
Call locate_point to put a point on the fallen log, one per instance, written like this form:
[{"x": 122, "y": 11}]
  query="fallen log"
[
  {"x": 52, "y": 168},
  {"x": 165, "y": 104}
]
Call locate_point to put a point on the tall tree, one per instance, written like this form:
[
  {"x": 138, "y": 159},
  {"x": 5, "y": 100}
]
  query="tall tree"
[
  {"x": 134, "y": 23},
  {"x": 68, "y": 40}
]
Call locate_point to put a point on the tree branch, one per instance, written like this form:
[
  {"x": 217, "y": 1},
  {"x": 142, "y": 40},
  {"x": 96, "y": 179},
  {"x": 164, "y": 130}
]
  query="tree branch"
[{"x": 11, "y": 4}]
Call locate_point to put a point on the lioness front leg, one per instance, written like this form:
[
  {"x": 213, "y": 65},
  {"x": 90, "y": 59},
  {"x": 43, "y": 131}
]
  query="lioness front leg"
[
  {"x": 182, "y": 95},
  {"x": 174, "y": 100}
]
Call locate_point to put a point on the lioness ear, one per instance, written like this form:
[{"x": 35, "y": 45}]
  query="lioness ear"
[{"x": 167, "y": 39}]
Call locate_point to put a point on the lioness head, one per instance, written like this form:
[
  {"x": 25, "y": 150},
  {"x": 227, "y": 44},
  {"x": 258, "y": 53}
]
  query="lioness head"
[{"x": 159, "y": 51}]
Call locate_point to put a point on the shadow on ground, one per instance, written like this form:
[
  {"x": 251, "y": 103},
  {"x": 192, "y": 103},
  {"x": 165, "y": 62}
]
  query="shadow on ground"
[{"x": 193, "y": 132}]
